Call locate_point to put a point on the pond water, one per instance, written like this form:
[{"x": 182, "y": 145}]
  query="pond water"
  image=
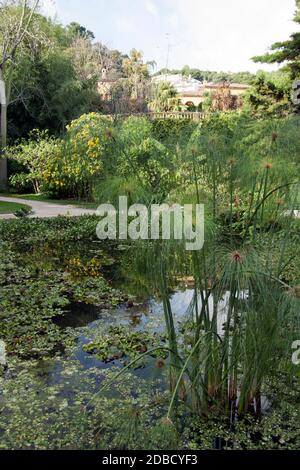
[
  {"x": 88, "y": 320},
  {"x": 45, "y": 395},
  {"x": 45, "y": 402}
]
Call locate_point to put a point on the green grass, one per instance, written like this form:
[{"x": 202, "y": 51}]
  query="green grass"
[
  {"x": 11, "y": 207},
  {"x": 45, "y": 198}
]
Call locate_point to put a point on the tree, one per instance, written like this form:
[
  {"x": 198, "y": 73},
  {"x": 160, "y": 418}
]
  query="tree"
[
  {"x": 15, "y": 27},
  {"x": 286, "y": 51},
  {"x": 84, "y": 59},
  {"x": 130, "y": 90},
  {"x": 137, "y": 73},
  {"x": 223, "y": 100},
  {"x": 76, "y": 30},
  {"x": 186, "y": 71},
  {"x": 91, "y": 59},
  {"x": 165, "y": 98},
  {"x": 55, "y": 81},
  {"x": 121, "y": 98},
  {"x": 35, "y": 157},
  {"x": 132, "y": 85},
  {"x": 110, "y": 60},
  {"x": 269, "y": 94}
]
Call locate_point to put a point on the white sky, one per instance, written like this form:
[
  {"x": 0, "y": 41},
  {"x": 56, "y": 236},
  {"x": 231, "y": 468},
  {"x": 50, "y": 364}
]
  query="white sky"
[{"x": 207, "y": 34}]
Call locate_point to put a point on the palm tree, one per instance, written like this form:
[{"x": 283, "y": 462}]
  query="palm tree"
[{"x": 165, "y": 98}]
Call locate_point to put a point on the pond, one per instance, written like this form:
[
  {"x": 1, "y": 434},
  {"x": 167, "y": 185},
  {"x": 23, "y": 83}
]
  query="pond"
[
  {"x": 54, "y": 397},
  {"x": 44, "y": 399}
]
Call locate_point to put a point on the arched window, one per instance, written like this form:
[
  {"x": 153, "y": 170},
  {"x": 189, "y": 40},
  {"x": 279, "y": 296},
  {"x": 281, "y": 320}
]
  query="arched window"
[{"x": 190, "y": 106}]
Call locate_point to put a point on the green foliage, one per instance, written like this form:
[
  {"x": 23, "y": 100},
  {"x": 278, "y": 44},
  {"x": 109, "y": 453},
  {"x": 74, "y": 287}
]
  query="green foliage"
[
  {"x": 129, "y": 94},
  {"x": 286, "y": 51},
  {"x": 23, "y": 212},
  {"x": 68, "y": 166},
  {"x": 243, "y": 166},
  {"x": 45, "y": 417},
  {"x": 140, "y": 425},
  {"x": 134, "y": 65},
  {"x": 164, "y": 98},
  {"x": 33, "y": 232},
  {"x": 234, "y": 343},
  {"x": 134, "y": 130},
  {"x": 144, "y": 157},
  {"x": 47, "y": 90},
  {"x": 87, "y": 152},
  {"x": 26, "y": 313},
  {"x": 111, "y": 188},
  {"x": 172, "y": 130},
  {"x": 36, "y": 156},
  {"x": 243, "y": 316},
  {"x": 75, "y": 30},
  {"x": 119, "y": 342},
  {"x": 269, "y": 96}
]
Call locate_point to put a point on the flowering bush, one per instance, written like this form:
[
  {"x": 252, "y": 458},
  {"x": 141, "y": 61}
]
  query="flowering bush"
[
  {"x": 95, "y": 150},
  {"x": 88, "y": 148},
  {"x": 67, "y": 166}
]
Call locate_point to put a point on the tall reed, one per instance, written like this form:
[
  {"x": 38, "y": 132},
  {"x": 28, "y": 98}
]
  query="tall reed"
[{"x": 243, "y": 315}]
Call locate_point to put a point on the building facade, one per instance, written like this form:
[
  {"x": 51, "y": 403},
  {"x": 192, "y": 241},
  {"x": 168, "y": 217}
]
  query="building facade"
[{"x": 193, "y": 93}]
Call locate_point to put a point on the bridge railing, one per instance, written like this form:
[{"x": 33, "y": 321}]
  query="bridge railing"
[{"x": 192, "y": 116}]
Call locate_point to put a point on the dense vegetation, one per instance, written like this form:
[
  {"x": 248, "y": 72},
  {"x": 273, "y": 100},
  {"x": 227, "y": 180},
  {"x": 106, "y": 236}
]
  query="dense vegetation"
[
  {"x": 143, "y": 344},
  {"x": 219, "y": 361},
  {"x": 52, "y": 73}
]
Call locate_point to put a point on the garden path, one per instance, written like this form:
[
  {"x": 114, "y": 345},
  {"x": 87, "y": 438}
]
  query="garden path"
[{"x": 46, "y": 209}]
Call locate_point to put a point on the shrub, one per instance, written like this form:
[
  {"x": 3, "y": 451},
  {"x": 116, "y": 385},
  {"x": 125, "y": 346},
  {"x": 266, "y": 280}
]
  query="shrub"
[
  {"x": 172, "y": 129},
  {"x": 109, "y": 190},
  {"x": 89, "y": 148},
  {"x": 134, "y": 130},
  {"x": 144, "y": 158},
  {"x": 36, "y": 157}
]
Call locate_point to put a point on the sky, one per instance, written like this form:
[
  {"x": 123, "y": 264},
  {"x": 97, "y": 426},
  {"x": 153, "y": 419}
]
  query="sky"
[{"x": 220, "y": 35}]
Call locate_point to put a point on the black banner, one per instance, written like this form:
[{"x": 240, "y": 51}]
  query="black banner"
[{"x": 139, "y": 459}]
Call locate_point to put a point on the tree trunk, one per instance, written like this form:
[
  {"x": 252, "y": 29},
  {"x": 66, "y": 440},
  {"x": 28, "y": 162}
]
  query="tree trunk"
[{"x": 3, "y": 132}]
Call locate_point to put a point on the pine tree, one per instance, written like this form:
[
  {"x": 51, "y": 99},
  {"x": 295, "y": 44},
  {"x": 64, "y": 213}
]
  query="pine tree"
[{"x": 286, "y": 51}]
